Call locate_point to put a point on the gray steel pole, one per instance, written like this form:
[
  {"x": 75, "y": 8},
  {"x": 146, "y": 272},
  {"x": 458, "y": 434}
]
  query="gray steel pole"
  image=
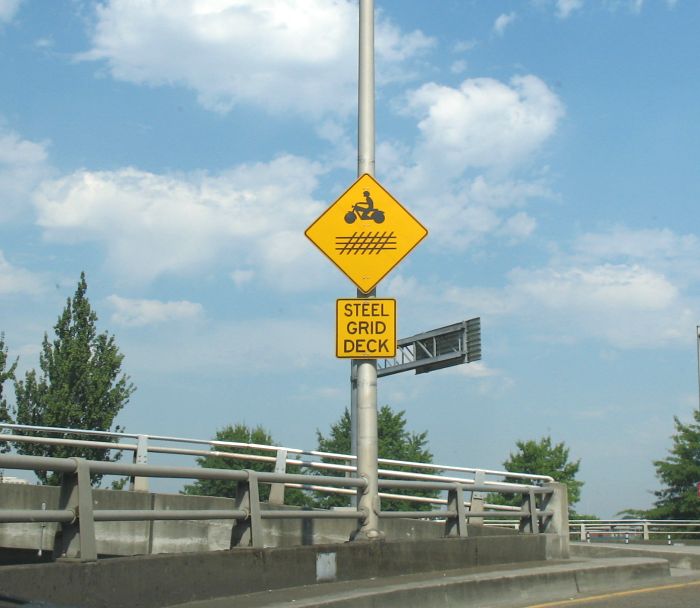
[{"x": 364, "y": 371}]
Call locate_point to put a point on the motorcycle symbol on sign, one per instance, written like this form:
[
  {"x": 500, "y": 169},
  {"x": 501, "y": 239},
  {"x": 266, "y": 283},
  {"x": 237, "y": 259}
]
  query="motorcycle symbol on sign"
[{"x": 365, "y": 210}]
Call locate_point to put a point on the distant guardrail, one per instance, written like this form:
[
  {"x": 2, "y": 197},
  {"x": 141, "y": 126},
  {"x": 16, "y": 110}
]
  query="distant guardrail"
[{"x": 626, "y": 530}]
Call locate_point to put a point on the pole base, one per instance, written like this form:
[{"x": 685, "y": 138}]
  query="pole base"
[{"x": 367, "y": 535}]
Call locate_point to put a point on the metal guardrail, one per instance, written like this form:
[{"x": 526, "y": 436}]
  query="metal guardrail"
[
  {"x": 624, "y": 530},
  {"x": 77, "y": 515},
  {"x": 281, "y": 456}
]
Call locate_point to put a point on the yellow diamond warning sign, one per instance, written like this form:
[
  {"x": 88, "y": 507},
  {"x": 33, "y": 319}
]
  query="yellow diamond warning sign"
[
  {"x": 365, "y": 329},
  {"x": 366, "y": 232}
]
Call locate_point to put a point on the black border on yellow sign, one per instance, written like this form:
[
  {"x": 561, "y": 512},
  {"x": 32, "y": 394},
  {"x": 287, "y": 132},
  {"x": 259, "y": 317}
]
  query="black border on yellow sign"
[{"x": 337, "y": 328}]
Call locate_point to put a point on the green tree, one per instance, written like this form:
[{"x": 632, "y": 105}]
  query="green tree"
[
  {"x": 5, "y": 375},
  {"x": 543, "y": 458},
  {"x": 80, "y": 385},
  {"x": 394, "y": 442},
  {"x": 240, "y": 433},
  {"x": 680, "y": 474}
]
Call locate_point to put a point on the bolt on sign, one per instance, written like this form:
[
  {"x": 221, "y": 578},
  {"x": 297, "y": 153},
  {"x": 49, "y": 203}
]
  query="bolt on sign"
[
  {"x": 366, "y": 232},
  {"x": 365, "y": 328}
]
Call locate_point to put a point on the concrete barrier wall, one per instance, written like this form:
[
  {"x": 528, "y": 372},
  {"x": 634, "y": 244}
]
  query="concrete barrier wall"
[
  {"x": 142, "y": 538},
  {"x": 159, "y": 580},
  {"x": 28, "y": 536}
]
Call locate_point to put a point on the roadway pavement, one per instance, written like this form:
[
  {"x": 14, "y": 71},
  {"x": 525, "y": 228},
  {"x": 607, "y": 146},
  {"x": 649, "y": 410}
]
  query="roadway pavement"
[{"x": 681, "y": 592}]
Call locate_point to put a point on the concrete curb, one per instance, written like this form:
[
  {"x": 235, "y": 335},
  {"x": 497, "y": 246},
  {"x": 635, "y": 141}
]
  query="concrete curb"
[
  {"x": 677, "y": 557},
  {"x": 536, "y": 583}
]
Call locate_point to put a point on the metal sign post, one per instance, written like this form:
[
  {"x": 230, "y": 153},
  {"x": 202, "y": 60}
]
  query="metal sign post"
[
  {"x": 366, "y": 233},
  {"x": 365, "y": 370}
]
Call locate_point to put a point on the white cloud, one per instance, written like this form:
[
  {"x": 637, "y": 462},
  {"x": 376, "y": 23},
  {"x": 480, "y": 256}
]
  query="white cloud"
[
  {"x": 566, "y": 7},
  {"x": 602, "y": 288},
  {"x": 519, "y": 226},
  {"x": 153, "y": 225},
  {"x": 626, "y": 288},
  {"x": 671, "y": 254},
  {"x": 473, "y": 137},
  {"x": 245, "y": 347},
  {"x": 136, "y": 313},
  {"x": 484, "y": 122},
  {"x": 459, "y": 66},
  {"x": 477, "y": 369},
  {"x": 502, "y": 22},
  {"x": 624, "y": 306},
  {"x": 14, "y": 280},
  {"x": 23, "y": 164},
  {"x": 645, "y": 244},
  {"x": 464, "y": 45},
  {"x": 297, "y": 55},
  {"x": 242, "y": 276},
  {"x": 8, "y": 10}
]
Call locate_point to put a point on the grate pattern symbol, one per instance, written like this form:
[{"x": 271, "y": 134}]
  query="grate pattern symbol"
[{"x": 362, "y": 243}]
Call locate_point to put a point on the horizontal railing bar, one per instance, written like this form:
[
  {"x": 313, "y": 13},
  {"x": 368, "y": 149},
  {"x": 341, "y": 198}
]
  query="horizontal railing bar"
[
  {"x": 250, "y": 457},
  {"x": 150, "y": 470},
  {"x": 70, "y": 442},
  {"x": 637, "y": 532},
  {"x": 211, "y": 454},
  {"x": 417, "y": 514},
  {"x": 37, "y": 463},
  {"x": 635, "y": 522},
  {"x": 28, "y": 516},
  {"x": 310, "y": 514},
  {"x": 415, "y": 485},
  {"x": 353, "y": 482},
  {"x": 163, "y": 514},
  {"x": 329, "y": 455},
  {"x": 540, "y": 514},
  {"x": 53, "y": 429},
  {"x": 147, "y": 470}
]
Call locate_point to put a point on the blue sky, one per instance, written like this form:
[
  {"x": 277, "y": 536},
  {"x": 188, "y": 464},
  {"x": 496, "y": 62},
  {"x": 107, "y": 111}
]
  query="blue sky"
[{"x": 176, "y": 151}]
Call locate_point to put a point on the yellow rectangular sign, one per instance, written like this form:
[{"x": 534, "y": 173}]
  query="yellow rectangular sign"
[{"x": 365, "y": 328}]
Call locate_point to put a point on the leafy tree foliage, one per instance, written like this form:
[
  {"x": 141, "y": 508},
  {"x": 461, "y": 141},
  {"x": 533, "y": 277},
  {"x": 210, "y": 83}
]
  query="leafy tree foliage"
[
  {"x": 543, "y": 458},
  {"x": 680, "y": 473},
  {"x": 394, "y": 442},
  {"x": 5, "y": 375},
  {"x": 80, "y": 385},
  {"x": 241, "y": 433}
]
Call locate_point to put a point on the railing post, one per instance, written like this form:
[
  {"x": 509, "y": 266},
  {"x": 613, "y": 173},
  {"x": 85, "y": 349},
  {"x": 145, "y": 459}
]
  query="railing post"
[
  {"x": 76, "y": 540},
  {"x": 582, "y": 536},
  {"x": 277, "y": 489},
  {"x": 456, "y": 525},
  {"x": 140, "y": 484},
  {"x": 529, "y": 523},
  {"x": 645, "y": 530},
  {"x": 478, "y": 498},
  {"x": 556, "y": 526},
  {"x": 248, "y": 532}
]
